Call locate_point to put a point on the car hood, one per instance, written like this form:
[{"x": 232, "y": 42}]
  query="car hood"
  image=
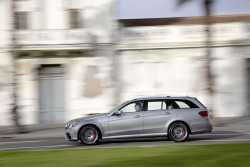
[{"x": 97, "y": 116}]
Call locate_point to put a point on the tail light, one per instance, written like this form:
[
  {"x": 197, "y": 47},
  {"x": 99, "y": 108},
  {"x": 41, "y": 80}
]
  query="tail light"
[{"x": 203, "y": 114}]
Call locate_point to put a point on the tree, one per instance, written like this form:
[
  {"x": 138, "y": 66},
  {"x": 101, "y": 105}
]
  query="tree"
[
  {"x": 207, "y": 4},
  {"x": 14, "y": 110}
]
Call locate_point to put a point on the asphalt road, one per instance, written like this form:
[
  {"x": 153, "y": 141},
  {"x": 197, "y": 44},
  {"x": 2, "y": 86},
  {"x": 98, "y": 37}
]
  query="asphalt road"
[{"x": 216, "y": 137}]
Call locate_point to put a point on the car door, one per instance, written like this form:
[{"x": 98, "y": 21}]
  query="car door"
[
  {"x": 129, "y": 122},
  {"x": 156, "y": 116}
]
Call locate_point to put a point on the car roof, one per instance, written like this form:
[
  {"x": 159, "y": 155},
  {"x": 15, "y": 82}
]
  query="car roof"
[{"x": 163, "y": 97}]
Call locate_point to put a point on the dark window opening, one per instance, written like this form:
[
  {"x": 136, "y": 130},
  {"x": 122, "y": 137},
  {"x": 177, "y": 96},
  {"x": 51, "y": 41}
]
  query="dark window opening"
[
  {"x": 184, "y": 103},
  {"x": 74, "y": 18},
  {"x": 21, "y": 20}
]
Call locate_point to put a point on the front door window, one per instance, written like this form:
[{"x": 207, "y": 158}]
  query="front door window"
[{"x": 132, "y": 107}]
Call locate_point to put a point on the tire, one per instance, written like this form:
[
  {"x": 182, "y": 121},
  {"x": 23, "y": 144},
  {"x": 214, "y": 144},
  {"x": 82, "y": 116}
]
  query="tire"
[
  {"x": 89, "y": 135},
  {"x": 178, "y": 132}
]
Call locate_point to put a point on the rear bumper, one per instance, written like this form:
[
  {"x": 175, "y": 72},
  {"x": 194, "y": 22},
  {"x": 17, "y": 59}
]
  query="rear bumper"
[{"x": 201, "y": 128}]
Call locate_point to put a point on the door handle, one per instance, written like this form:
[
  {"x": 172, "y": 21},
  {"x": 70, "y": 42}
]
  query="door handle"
[
  {"x": 167, "y": 113},
  {"x": 137, "y": 116}
]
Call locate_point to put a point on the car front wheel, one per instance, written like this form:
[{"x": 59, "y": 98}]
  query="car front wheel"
[
  {"x": 89, "y": 135},
  {"x": 178, "y": 132}
]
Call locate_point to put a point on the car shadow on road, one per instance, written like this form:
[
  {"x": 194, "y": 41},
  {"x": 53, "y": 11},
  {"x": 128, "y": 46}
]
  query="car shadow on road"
[
  {"x": 128, "y": 140},
  {"x": 212, "y": 137}
]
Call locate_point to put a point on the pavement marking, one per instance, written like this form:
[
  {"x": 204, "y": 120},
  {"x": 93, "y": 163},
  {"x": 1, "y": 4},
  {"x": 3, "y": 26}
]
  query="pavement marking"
[
  {"x": 218, "y": 140},
  {"x": 244, "y": 132},
  {"x": 16, "y": 142},
  {"x": 35, "y": 147},
  {"x": 206, "y": 142},
  {"x": 212, "y": 134}
]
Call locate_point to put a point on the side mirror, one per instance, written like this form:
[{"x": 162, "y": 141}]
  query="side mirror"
[{"x": 118, "y": 112}]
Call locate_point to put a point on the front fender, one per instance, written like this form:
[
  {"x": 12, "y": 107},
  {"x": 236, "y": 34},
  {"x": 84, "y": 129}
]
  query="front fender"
[{"x": 85, "y": 123}]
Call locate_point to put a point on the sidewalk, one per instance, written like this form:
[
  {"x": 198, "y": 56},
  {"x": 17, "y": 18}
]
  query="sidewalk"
[
  {"x": 239, "y": 124},
  {"x": 57, "y": 130},
  {"x": 35, "y": 131}
]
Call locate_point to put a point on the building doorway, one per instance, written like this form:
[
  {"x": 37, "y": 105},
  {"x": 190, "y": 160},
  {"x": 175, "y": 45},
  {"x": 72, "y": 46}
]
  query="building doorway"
[{"x": 51, "y": 94}]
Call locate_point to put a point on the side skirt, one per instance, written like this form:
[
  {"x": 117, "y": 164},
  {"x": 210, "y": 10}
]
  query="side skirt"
[{"x": 136, "y": 136}]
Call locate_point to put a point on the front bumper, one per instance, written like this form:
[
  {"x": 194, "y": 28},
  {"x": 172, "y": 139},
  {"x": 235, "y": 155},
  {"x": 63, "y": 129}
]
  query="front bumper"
[{"x": 71, "y": 134}]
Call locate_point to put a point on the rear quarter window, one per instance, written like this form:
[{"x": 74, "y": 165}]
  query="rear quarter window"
[{"x": 185, "y": 104}]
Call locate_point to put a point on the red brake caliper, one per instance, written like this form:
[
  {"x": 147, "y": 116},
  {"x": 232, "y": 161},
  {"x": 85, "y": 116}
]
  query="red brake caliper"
[
  {"x": 184, "y": 130},
  {"x": 94, "y": 134}
]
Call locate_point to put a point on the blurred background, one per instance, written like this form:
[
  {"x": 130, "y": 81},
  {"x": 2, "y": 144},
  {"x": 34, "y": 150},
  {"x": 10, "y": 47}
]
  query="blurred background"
[{"x": 63, "y": 59}]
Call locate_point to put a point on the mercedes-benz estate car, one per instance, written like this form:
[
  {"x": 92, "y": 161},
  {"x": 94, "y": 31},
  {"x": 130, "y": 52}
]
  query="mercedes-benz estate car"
[{"x": 173, "y": 117}]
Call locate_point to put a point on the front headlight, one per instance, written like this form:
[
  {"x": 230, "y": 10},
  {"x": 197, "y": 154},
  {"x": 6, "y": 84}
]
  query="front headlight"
[{"x": 73, "y": 124}]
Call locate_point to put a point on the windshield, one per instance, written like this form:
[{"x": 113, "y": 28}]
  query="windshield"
[{"x": 116, "y": 108}]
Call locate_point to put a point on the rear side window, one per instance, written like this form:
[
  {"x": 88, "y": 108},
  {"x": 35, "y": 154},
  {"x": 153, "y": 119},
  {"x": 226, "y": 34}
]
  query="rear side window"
[
  {"x": 156, "y": 105},
  {"x": 184, "y": 104}
]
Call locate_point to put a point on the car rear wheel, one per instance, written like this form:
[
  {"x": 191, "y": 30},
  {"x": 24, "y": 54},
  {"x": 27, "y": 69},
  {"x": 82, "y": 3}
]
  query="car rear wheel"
[
  {"x": 89, "y": 135},
  {"x": 178, "y": 132}
]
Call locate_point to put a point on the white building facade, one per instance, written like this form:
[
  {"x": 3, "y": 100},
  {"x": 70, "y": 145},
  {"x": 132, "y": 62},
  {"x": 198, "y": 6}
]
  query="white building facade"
[
  {"x": 167, "y": 57},
  {"x": 64, "y": 59},
  {"x": 70, "y": 62}
]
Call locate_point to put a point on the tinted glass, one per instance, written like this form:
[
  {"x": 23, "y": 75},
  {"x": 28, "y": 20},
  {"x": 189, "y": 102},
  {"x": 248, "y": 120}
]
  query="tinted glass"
[{"x": 185, "y": 104}]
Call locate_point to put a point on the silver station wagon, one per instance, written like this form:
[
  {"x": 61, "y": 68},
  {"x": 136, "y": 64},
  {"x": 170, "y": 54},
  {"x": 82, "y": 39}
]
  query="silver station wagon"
[{"x": 173, "y": 117}]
